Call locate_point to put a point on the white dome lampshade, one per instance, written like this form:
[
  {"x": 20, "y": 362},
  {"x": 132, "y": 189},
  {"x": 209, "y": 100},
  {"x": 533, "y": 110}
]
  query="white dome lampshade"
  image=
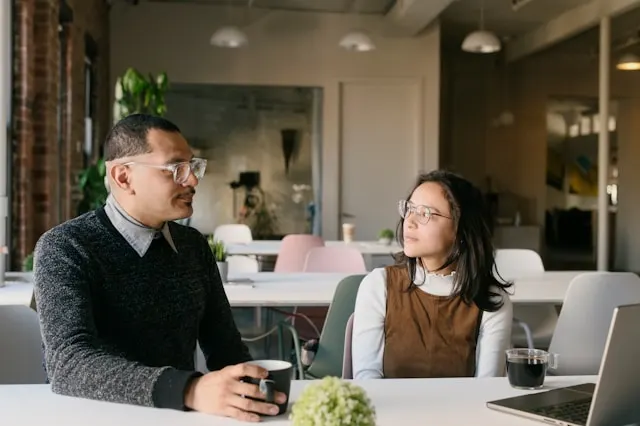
[
  {"x": 230, "y": 37},
  {"x": 629, "y": 62},
  {"x": 481, "y": 42},
  {"x": 357, "y": 41}
]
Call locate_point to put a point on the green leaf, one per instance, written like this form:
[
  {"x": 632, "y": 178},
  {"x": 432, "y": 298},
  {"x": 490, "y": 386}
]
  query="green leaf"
[
  {"x": 138, "y": 93},
  {"x": 162, "y": 81}
]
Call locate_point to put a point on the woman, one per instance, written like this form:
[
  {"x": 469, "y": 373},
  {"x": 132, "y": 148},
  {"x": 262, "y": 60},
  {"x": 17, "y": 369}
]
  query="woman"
[{"x": 439, "y": 312}]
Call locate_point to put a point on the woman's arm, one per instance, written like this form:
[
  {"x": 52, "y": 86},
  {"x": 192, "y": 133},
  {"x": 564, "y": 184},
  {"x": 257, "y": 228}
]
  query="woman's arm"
[
  {"x": 368, "y": 326},
  {"x": 494, "y": 339}
]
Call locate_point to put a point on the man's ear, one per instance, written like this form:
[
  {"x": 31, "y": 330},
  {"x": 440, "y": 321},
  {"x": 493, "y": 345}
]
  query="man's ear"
[{"x": 121, "y": 177}]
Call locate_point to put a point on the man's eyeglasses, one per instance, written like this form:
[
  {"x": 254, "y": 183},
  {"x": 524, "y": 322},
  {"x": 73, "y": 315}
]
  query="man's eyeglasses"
[
  {"x": 181, "y": 171},
  {"x": 422, "y": 213}
]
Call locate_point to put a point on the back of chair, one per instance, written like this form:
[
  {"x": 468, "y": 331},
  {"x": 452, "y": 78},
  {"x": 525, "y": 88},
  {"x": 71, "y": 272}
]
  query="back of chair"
[
  {"x": 347, "y": 364},
  {"x": 516, "y": 263},
  {"x": 535, "y": 323},
  {"x": 345, "y": 259},
  {"x": 233, "y": 233},
  {"x": 294, "y": 250},
  {"x": 239, "y": 264},
  {"x": 329, "y": 358},
  {"x": 583, "y": 325},
  {"x": 20, "y": 346}
]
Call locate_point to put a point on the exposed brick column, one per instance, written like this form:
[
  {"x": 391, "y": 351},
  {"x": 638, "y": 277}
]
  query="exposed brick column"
[
  {"x": 46, "y": 173},
  {"x": 67, "y": 123},
  {"x": 24, "y": 94},
  {"x": 76, "y": 96}
]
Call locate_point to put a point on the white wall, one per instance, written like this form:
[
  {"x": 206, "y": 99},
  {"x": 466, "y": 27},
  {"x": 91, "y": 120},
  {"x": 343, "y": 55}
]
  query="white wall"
[{"x": 285, "y": 48}]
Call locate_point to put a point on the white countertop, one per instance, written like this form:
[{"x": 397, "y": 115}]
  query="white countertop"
[{"x": 408, "y": 402}]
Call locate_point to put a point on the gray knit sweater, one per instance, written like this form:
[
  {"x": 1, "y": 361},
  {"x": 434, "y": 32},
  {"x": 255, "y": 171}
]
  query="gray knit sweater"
[{"x": 123, "y": 328}]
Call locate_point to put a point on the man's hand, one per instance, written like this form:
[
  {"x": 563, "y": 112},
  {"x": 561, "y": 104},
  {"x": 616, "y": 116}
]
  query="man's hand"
[{"x": 222, "y": 393}]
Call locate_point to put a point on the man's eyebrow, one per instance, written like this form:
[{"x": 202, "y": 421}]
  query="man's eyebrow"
[{"x": 179, "y": 159}]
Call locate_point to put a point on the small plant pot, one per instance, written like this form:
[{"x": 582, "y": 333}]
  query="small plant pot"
[
  {"x": 223, "y": 269},
  {"x": 385, "y": 241}
]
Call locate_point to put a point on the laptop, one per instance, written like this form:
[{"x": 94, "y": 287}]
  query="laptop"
[{"x": 613, "y": 401}]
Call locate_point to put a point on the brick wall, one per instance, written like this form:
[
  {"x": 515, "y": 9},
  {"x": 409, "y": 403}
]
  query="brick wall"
[{"x": 46, "y": 162}]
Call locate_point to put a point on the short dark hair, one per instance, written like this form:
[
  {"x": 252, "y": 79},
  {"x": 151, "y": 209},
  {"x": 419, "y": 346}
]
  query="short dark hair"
[
  {"x": 472, "y": 251},
  {"x": 128, "y": 136}
]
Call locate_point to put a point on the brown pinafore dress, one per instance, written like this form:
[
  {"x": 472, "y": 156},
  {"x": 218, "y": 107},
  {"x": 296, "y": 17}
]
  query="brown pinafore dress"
[{"x": 427, "y": 336}]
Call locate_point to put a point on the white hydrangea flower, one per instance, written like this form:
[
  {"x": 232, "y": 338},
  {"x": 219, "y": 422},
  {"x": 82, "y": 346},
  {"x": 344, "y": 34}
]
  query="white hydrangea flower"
[{"x": 333, "y": 402}]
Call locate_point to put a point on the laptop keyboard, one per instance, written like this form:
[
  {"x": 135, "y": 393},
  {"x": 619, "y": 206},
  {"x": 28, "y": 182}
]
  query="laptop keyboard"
[{"x": 573, "y": 412}]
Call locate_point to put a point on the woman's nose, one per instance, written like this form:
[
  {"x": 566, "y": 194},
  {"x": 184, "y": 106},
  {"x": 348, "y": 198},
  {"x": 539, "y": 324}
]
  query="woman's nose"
[{"x": 411, "y": 220}]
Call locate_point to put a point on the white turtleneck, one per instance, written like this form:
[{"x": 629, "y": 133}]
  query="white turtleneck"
[{"x": 368, "y": 326}]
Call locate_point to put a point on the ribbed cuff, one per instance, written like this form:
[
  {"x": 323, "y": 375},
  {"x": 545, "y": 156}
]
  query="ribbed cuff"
[{"x": 170, "y": 388}]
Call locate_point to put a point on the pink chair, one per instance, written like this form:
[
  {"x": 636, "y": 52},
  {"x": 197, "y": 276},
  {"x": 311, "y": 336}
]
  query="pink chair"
[
  {"x": 335, "y": 259},
  {"x": 328, "y": 259},
  {"x": 347, "y": 364},
  {"x": 293, "y": 252}
]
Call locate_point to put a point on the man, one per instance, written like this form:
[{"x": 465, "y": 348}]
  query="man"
[{"x": 123, "y": 293}]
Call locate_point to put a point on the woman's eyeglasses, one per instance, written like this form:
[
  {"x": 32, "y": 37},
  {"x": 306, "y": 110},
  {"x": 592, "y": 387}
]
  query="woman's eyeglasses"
[
  {"x": 422, "y": 213},
  {"x": 181, "y": 171}
]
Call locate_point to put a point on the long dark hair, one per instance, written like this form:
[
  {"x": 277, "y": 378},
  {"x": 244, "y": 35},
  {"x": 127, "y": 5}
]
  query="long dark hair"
[{"x": 472, "y": 251}]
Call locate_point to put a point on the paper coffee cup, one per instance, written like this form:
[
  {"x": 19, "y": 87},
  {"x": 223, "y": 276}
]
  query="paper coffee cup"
[{"x": 348, "y": 232}]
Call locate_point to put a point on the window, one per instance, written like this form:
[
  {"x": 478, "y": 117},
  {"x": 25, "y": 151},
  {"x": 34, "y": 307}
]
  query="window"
[
  {"x": 89, "y": 99},
  {"x": 61, "y": 116}
]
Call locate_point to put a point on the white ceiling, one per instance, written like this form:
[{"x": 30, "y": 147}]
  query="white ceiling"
[
  {"x": 379, "y": 7},
  {"x": 500, "y": 17}
]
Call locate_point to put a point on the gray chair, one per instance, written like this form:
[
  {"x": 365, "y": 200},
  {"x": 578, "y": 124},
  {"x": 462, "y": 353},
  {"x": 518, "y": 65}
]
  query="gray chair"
[
  {"x": 21, "y": 347},
  {"x": 328, "y": 360},
  {"x": 585, "y": 319}
]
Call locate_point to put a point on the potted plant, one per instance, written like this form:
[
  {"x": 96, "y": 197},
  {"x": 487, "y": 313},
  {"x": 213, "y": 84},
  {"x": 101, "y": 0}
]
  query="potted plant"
[
  {"x": 220, "y": 254},
  {"x": 27, "y": 263},
  {"x": 332, "y": 401},
  {"x": 137, "y": 93},
  {"x": 385, "y": 237},
  {"x": 92, "y": 183},
  {"x": 134, "y": 93}
]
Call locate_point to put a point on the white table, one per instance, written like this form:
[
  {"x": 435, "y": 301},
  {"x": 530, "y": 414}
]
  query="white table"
[
  {"x": 406, "y": 402},
  {"x": 16, "y": 293},
  {"x": 270, "y": 289},
  {"x": 272, "y": 247}
]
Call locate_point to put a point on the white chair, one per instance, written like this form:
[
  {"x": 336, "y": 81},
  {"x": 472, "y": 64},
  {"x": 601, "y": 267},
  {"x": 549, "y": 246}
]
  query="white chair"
[
  {"x": 535, "y": 323},
  {"x": 233, "y": 233},
  {"x": 242, "y": 265},
  {"x": 585, "y": 319},
  {"x": 21, "y": 357},
  {"x": 237, "y": 233}
]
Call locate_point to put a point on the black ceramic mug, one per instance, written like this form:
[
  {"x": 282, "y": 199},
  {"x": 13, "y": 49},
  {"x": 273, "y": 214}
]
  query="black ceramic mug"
[{"x": 279, "y": 380}]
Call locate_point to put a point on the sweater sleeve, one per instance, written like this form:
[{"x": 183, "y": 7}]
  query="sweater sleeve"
[
  {"x": 77, "y": 361},
  {"x": 368, "y": 326},
  {"x": 494, "y": 339},
  {"x": 217, "y": 327}
]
